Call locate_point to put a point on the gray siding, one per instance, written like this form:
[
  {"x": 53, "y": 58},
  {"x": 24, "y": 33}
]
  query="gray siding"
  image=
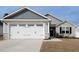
[
  {"x": 54, "y": 20},
  {"x": 25, "y": 14}
]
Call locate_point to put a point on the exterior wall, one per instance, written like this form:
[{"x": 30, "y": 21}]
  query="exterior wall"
[
  {"x": 77, "y": 33},
  {"x": 6, "y": 28},
  {"x": 66, "y": 25},
  {"x": 1, "y": 29},
  {"x": 26, "y": 14}
]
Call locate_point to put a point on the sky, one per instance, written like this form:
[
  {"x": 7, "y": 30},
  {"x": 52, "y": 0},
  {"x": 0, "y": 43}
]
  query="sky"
[{"x": 69, "y": 13}]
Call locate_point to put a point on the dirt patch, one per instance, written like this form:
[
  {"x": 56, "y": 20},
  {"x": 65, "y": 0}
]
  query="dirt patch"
[{"x": 66, "y": 45}]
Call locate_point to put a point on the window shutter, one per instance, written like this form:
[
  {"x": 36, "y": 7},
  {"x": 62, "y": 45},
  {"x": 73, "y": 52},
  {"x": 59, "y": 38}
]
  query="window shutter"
[
  {"x": 70, "y": 30},
  {"x": 60, "y": 30}
]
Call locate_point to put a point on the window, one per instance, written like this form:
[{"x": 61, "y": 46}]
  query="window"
[
  {"x": 65, "y": 30},
  {"x": 22, "y": 25},
  {"x": 13, "y": 25},
  {"x": 62, "y": 30},
  {"x": 30, "y": 25},
  {"x": 39, "y": 24}
]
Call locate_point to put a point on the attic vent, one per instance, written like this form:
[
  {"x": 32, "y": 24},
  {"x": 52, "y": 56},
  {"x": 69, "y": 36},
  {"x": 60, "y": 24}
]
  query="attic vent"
[
  {"x": 5, "y": 14},
  {"x": 46, "y": 14}
]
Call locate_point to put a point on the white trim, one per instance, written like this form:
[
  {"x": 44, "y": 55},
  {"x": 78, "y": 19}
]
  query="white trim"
[
  {"x": 48, "y": 29},
  {"x": 44, "y": 30},
  {"x": 25, "y": 20}
]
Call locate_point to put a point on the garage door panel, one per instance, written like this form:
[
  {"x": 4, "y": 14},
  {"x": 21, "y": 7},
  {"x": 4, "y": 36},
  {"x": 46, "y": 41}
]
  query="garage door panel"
[
  {"x": 13, "y": 30},
  {"x": 39, "y": 31}
]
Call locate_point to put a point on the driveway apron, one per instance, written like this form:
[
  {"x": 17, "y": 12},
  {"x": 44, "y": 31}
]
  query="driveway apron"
[{"x": 32, "y": 45}]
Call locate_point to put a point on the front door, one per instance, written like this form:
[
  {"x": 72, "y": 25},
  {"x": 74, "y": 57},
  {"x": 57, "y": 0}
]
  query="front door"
[{"x": 52, "y": 31}]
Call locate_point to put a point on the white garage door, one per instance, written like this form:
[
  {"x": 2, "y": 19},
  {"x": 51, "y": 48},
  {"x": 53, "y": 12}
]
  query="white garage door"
[{"x": 29, "y": 31}]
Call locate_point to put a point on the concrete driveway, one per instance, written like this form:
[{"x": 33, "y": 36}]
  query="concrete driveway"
[{"x": 20, "y": 45}]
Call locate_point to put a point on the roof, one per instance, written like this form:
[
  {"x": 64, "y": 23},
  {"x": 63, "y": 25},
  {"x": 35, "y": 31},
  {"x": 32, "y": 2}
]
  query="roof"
[
  {"x": 66, "y": 22},
  {"x": 53, "y": 17},
  {"x": 24, "y": 8}
]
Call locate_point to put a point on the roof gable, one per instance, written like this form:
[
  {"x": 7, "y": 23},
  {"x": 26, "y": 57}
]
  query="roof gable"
[
  {"x": 66, "y": 22},
  {"x": 25, "y": 13}
]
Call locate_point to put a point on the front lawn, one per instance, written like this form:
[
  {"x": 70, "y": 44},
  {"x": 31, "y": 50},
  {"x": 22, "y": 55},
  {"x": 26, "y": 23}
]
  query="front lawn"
[{"x": 66, "y": 45}]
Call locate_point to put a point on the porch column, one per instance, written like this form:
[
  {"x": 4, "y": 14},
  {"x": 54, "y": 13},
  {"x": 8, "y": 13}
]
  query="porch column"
[{"x": 48, "y": 29}]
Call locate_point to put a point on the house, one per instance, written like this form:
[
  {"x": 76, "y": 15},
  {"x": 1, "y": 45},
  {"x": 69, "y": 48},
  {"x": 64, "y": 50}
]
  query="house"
[
  {"x": 60, "y": 28},
  {"x": 25, "y": 24},
  {"x": 28, "y": 24},
  {"x": 1, "y": 28},
  {"x": 77, "y": 32}
]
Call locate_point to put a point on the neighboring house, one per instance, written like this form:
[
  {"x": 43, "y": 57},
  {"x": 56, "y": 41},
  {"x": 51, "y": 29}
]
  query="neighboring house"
[
  {"x": 59, "y": 28},
  {"x": 25, "y": 24},
  {"x": 1, "y": 28},
  {"x": 28, "y": 24}
]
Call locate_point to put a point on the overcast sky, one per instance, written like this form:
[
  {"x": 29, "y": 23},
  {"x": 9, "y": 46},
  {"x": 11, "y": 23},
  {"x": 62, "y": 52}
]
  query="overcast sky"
[{"x": 62, "y": 12}]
